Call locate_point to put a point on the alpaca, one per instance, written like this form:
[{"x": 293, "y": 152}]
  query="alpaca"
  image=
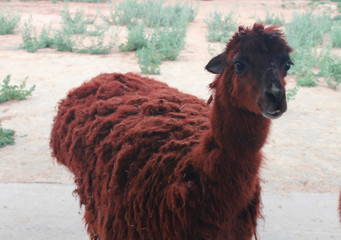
[{"x": 151, "y": 162}]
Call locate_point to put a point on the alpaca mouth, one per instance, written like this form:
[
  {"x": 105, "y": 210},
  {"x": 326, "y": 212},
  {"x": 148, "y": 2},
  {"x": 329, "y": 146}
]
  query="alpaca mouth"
[{"x": 272, "y": 114}]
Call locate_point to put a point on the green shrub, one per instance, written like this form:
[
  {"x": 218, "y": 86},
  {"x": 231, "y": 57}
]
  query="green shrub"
[
  {"x": 168, "y": 42},
  {"x": 124, "y": 13},
  {"x": 304, "y": 33},
  {"x": 8, "y": 20},
  {"x": 46, "y": 38},
  {"x": 63, "y": 42},
  {"x": 306, "y": 78},
  {"x": 71, "y": 36},
  {"x": 73, "y": 25},
  {"x": 14, "y": 92},
  {"x": 330, "y": 67},
  {"x": 307, "y": 29},
  {"x": 158, "y": 29},
  {"x": 272, "y": 19},
  {"x": 29, "y": 37},
  {"x": 6, "y": 136},
  {"x": 136, "y": 39},
  {"x": 154, "y": 14},
  {"x": 336, "y": 35},
  {"x": 291, "y": 93},
  {"x": 220, "y": 27},
  {"x": 163, "y": 43},
  {"x": 149, "y": 60}
]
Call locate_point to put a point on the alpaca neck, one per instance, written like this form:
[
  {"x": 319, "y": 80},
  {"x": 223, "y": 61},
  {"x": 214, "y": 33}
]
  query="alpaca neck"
[
  {"x": 232, "y": 146},
  {"x": 238, "y": 130}
]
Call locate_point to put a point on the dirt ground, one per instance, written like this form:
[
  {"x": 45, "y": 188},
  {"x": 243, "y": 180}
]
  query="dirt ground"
[{"x": 303, "y": 151}]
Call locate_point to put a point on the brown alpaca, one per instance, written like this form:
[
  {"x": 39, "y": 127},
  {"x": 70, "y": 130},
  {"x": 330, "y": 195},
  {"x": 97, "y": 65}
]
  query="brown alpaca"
[{"x": 151, "y": 162}]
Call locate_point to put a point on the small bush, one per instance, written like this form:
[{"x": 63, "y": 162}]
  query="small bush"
[
  {"x": 72, "y": 37},
  {"x": 14, "y": 92},
  {"x": 8, "y": 21},
  {"x": 169, "y": 42},
  {"x": 336, "y": 35},
  {"x": 220, "y": 27},
  {"x": 29, "y": 37},
  {"x": 6, "y": 136},
  {"x": 162, "y": 43},
  {"x": 291, "y": 93},
  {"x": 31, "y": 42},
  {"x": 307, "y": 29},
  {"x": 273, "y": 19},
  {"x": 63, "y": 42},
  {"x": 73, "y": 25},
  {"x": 304, "y": 33},
  {"x": 154, "y": 14},
  {"x": 330, "y": 67},
  {"x": 149, "y": 60},
  {"x": 306, "y": 78},
  {"x": 46, "y": 38},
  {"x": 136, "y": 39},
  {"x": 124, "y": 13}
]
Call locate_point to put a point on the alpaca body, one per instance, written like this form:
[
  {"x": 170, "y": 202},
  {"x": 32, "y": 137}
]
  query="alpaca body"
[
  {"x": 151, "y": 162},
  {"x": 154, "y": 167}
]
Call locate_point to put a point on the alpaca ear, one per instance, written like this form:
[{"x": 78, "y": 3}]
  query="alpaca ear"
[{"x": 217, "y": 64}]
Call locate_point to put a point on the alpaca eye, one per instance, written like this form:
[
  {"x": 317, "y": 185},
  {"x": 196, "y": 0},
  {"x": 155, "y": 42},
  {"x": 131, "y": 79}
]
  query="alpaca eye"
[
  {"x": 287, "y": 66},
  {"x": 239, "y": 66}
]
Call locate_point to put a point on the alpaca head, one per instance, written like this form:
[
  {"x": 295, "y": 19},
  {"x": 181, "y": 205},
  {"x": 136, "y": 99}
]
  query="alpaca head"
[{"x": 252, "y": 70}]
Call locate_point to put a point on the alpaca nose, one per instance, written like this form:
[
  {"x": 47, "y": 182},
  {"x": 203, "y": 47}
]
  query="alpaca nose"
[{"x": 275, "y": 93}]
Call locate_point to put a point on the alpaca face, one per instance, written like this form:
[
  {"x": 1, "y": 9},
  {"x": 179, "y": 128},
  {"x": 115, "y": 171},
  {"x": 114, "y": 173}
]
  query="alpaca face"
[
  {"x": 260, "y": 84},
  {"x": 252, "y": 71}
]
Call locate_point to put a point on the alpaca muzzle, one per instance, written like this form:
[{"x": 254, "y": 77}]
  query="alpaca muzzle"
[{"x": 275, "y": 103}]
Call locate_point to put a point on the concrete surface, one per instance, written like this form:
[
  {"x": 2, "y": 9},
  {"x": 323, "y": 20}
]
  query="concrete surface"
[{"x": 50, "y": 211}]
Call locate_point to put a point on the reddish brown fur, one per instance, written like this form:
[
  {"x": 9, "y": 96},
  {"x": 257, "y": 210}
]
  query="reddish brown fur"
[{"x": 151, "y": 162}]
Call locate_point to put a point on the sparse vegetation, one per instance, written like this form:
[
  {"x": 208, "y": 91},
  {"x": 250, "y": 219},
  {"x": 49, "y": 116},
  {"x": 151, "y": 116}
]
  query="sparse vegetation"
[
  {"x": 6, "y": 136},
  {"x": 77, "y": 24},
  {"x": 330, "y": 67},
  {"x": 291, "y": 93},
  {"x": 152, "y": 25},
  {"x": 29, "y": 36},
  {"x": 149, "y": 60},
  {"x": 136, "y": 38},
  {"x": 8, "y": 20},
  {"x": 157, "y": 32},
  {"x": 11, "y": 92},
  {"x": 336, "y": 35},
  {"x": 14, "y": 92},
  {"x": 153, "y": 13},
  {"x": 220, "y": 27},
  {"x": 77, "y": 34},
  {"x": 272, "y": 19},
  {"x": 306, "y": 33}
]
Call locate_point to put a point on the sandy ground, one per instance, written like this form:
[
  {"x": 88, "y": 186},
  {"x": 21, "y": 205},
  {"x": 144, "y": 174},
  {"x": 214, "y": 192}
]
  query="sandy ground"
[{"x": 303, "y": 154}]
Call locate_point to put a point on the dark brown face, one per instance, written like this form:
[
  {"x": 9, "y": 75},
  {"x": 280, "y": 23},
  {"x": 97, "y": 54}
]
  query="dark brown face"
[
  {"x": 261, "y": 79},
  {"x": 252, "y": 70}
]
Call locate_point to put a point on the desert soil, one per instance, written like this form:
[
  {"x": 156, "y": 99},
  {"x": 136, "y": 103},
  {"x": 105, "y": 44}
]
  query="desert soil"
[{"x": 303, "y": 151}]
